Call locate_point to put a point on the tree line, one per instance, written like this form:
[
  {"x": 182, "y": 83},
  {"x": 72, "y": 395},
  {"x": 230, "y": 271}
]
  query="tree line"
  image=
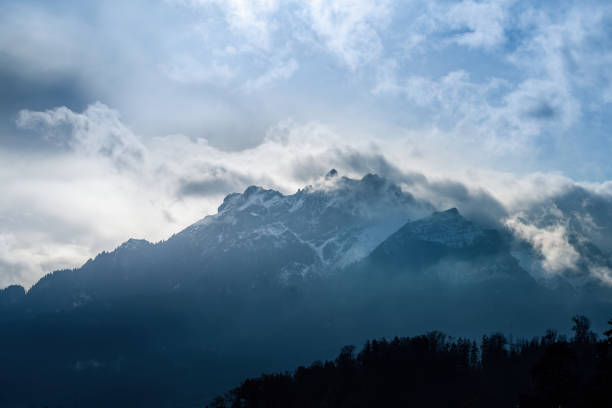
[{"x": 435, "y": 370}]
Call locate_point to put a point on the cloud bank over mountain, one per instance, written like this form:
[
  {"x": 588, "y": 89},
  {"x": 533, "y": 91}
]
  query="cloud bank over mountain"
[
  {"x": 109, "y": 184},
  {"x": 121, "y": 120}
]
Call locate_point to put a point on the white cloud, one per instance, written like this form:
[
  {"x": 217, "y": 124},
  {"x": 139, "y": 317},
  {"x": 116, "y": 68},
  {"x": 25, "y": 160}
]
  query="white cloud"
[
  {"x": 550, "y": 242},
  {"x": 603, "y": 274},
  {"x": 570, "y": 49},
  {"x": 252, "y": 19},
  {"x": 96, "y": 131},
  {"x": 473, "y": 112},
  {"x": 281, "y": 72},
  {"x": 349, "y": 28},
  {"x": 34, "y": 254},
  {"x": 557, "y": 63},
  {"x": 497, "y": 114},
  {"x": 477, "y": 24}
]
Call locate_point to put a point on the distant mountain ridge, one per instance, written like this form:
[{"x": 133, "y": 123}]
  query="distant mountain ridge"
[
  {"x": 314, "y": 231},
  {"x": 318, "y": 230}
]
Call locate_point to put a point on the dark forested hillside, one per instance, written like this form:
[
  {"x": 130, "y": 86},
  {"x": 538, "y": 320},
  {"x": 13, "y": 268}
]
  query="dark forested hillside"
[{"x": 433, "y": 370}]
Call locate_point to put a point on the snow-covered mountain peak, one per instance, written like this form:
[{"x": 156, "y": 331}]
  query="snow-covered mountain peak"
[
  {"x": 337, "y": 221},
  {"x": 253, "y": 196}
]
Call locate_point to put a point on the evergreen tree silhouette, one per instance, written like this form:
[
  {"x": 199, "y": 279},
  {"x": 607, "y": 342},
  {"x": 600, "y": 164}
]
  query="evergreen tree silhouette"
[
  {"x": 434, "y": 370},
  {"x": 608, "y": 333}
]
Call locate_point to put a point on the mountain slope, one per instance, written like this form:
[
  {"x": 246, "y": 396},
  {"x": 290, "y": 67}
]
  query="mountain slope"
[
  {"x": 318, "y": 228},
  {"x": 259, "y": 237},
  {"x": 451, "y": 246}
]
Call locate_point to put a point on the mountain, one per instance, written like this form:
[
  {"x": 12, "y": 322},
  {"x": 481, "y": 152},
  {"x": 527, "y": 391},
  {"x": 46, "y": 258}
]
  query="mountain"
[
  {"x": 455, "y": 247},
  {"x": 319, "y": 228},
  {"x": 258, "y": 237},
  {"x": 268, "y": 282}
]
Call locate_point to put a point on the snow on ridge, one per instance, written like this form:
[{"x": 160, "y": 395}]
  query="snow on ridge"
[{"x": 339, "y": 219}]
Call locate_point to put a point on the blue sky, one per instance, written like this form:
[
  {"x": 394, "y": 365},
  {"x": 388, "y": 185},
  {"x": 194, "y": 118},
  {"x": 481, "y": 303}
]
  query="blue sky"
[{"x": 109, "y": 109}]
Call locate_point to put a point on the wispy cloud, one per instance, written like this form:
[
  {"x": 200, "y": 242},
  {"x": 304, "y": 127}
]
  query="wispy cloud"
[
  {"x": 550, "y": 242},
  {"x": 350, "y": 28},
  {"x": 281, "y": 72},
  {"x": 109, "y": 184},
  {"x": 252, "y": 20},
  {"x": 97, "y": 131}
]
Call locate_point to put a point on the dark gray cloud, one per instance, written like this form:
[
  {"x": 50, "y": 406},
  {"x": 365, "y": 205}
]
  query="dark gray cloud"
[
  {"x": 216, "y": 181},
  {"x": 20, "y": 93},
  {"x": 362, "y": 163},
  {"x": 207, "y": 187},
  {"x": 476, "y": 204}
]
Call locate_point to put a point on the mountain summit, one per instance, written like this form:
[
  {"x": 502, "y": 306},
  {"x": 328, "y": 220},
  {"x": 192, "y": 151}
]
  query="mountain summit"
[{"x": 319, "y": 228}]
